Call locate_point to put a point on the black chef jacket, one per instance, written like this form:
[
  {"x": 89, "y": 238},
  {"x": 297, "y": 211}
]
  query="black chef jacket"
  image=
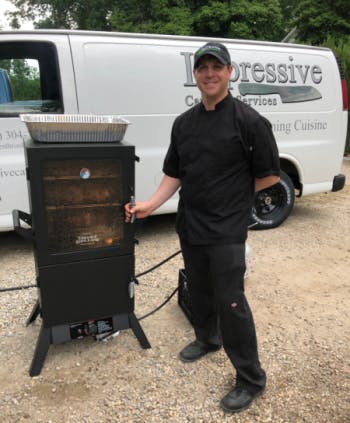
[{"x": 216, "y": 155}]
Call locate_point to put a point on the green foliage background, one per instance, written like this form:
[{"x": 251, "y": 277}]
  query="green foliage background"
[
  {"x": 317, "y": 22},
  {"x": 24, "y": 79}
]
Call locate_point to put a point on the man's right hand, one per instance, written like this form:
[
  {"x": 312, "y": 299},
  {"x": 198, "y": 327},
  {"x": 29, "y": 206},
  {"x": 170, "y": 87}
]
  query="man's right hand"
[
  {"x": 141, "y": 209},
  {"x": 167, "y": 187}
]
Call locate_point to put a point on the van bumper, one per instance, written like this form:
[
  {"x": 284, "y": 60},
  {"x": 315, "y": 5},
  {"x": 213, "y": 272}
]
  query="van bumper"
[{"x": 338, "y": 182}]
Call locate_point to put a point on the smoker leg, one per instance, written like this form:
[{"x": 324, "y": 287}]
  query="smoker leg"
[
  {"x": 41, "y": 349},
  {"x": 34, "y": 314},
  {"x": 138, "y": 332}
]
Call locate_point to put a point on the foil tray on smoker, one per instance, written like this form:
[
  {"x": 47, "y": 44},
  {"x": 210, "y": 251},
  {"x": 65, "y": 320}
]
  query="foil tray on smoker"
[{"x": 75, "y": 128}]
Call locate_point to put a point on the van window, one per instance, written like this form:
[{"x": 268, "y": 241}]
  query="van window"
[{"x": 29, "y": 81}]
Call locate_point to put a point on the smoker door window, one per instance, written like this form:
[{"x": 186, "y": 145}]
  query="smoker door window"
[{"x": 83, "y": 200}]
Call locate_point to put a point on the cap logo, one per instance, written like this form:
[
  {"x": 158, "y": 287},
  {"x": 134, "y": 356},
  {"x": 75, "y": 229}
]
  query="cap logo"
[{"x": 205, "y": 50}]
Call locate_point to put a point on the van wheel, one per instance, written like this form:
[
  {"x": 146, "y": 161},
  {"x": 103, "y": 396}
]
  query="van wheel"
[{"x": 273, "y": 205}]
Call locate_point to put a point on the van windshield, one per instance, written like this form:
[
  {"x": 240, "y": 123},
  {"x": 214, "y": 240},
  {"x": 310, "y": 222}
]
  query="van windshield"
[{"x": 28, "y": 79}]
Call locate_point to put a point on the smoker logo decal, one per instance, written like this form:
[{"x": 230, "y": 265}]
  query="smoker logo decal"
[
  {"x": 87, "y": 239},
  {"x": 85, "y": 173}
]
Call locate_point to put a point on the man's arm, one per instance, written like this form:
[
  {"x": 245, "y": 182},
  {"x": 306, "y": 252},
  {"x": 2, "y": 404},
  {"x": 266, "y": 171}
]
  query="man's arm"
[
  {"x": 167, "y": 187},
  {"x": 267, "y": 181}
]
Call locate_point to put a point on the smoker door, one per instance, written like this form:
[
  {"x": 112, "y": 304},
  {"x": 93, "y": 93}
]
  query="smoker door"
[
  {"x": 87, "y": 290},
  {"x": 83, "y": 201},
  {"x": 77, "y": 196}
]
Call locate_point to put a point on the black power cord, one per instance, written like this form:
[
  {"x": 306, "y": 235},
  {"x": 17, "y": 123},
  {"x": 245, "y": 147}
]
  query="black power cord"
[
  {"x": 17, "y": 288},
  {"x": 160, "y": 306},
  {"x": 170, "y": 296},
  {"x": 158, "y": 265},
  {"x": 110, "y": 335}
]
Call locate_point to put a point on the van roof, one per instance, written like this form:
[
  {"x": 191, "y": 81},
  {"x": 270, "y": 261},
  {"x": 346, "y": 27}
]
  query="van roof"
[{"x": 159, "y": 36}]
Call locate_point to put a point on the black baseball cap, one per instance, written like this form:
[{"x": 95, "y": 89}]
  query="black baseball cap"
[{"x": 217, "y": 50}]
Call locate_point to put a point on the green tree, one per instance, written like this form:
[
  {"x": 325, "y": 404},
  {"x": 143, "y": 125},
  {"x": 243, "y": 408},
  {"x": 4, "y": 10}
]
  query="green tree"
[
  {"x": 287, "y": 10},
  {"x": 152, "y": 16},
  {"x": 24, "y": 79},
  {"x": 288, "y": 15},
  {"x": 251, "y": 19},
  {"x": 327, "y": 23},
  {"x": 254, "y": 19},
  {"x": 79, "y": 14},
  {"x": 318, "y": 19}
]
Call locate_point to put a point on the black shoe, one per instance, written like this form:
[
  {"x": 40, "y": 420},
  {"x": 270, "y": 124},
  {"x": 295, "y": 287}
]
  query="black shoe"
[
  {"x": 195, "y": 350},
  {"x": 238, "y": 399}
]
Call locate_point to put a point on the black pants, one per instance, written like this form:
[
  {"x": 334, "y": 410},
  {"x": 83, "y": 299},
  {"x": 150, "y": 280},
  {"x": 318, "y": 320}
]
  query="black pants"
[{"x": 221, "y": 313}]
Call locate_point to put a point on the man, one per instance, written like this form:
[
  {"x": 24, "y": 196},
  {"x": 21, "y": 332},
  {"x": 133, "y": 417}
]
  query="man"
[{"x": 220, "y": 151}]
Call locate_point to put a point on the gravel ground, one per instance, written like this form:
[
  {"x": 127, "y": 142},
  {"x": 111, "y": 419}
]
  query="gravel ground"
[{"x": 298, "y": 289}]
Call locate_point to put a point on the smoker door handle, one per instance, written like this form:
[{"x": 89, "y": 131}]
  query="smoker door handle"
[{"x": 17, "y": 216}]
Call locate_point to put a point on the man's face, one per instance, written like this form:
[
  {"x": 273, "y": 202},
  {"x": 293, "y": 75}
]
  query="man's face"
[{"x": 212, "y": 78}]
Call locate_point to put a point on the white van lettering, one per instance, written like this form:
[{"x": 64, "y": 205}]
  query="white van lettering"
[
  {"x": 310, "y": 125},
  {"x": 235, "y": 72},
  {"x": 10, "y": 135},
  {"x": 13, "y": 135},
  {"x": 244, "y": 67},
  {"x": 282, "y": 73},
  {"x": 9, "y": 146},
  {"x": 258, "y": 101},
  {"x": 270, "y": 72},
  {"x": 291, "y": 68},
  {"x": 11, "y": 173},
  {"x": 282, "y": 127},
  {"x": 303, "y": 74},
  {"x": 258, "y": 72},
  {"x": 191, "y": 101},
  {"x": 258, "y": 67},
  {"x": 189, "y": 76},
  {"x": 316, "y": 70}
]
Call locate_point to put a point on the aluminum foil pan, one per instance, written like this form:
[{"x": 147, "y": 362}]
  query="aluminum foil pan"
[{"x": 75, "y": 128}]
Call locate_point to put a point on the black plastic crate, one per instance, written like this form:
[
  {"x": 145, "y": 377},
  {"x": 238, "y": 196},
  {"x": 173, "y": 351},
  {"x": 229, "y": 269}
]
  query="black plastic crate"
[{"x": 184, "y": 298}]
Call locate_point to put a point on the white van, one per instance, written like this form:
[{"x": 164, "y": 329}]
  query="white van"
[{"x": 148, "y": 80}]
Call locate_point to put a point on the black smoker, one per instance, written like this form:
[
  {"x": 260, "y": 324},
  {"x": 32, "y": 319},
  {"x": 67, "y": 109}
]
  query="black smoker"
[{"x": 83, "y": 250}]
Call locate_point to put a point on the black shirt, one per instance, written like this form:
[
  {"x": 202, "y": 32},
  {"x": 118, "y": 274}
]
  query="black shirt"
[{"x": 216, "y": 155}]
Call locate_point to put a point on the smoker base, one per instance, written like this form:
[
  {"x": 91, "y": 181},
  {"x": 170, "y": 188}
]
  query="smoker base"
[{"x": 63, "y": 333}]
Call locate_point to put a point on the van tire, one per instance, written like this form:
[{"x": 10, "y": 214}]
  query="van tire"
[{"x": 273, "y": 205}]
